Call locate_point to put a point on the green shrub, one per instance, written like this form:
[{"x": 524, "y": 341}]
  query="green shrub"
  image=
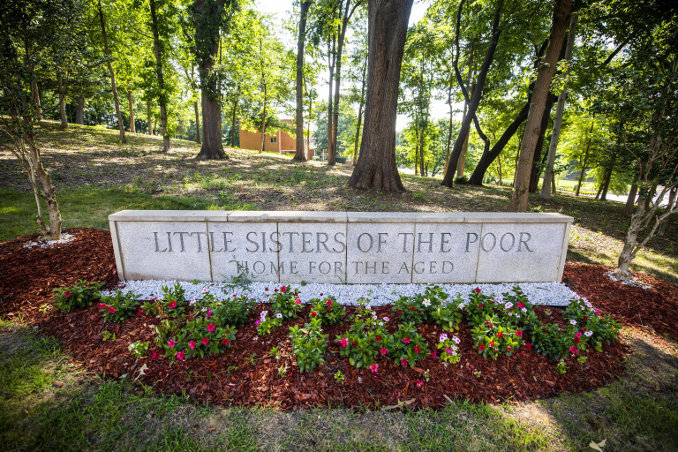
[
  {"x": 78, "y": 296},
  {"x": 286, "y": 302},
  {"x": 173, "y": 300},
  {"x": 119, "y": 307},
  {"x": 327, "y": 310},
  {"x": 265, "y": 323},
  {"x": 309, "y": 344},
  {"x": 407, "y": 345}
]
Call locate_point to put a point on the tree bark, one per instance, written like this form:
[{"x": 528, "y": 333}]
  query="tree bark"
[
  {"x": 150, "y": 117},
  {"x": 561, "y": 18},
  {"x": 387, "y": 28},
  {"x": 585, "y": 161},
  {"x": 537, "y": 159},
  {"x": 448, "y": 179},
  {"x": 606, "y": 182},
  {"x": 300, "y": 154},
  {"x": 80, "y": 110},
  {"x": 121, "y": 125},
  {"x": 331, "y": 59},
  {"x": 207, "y": 25},
  {"x": 558, "y": 119},
  {"x": 360, "y": 116},
  {"x": 162, "y": 98},
  {"x": 62, "y": 103},
  {"x": 631, "y": 199},
  {"x": 197, "y": 121},
  {"x": 132, "y": 126}
]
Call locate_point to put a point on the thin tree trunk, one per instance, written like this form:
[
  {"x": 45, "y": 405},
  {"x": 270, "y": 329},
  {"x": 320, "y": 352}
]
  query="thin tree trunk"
[
  {"x": 80, "y": 110},
  {"x": 631, "y": 199},
  {"x": 263, "y": 121},
  {"x": 132, "y": 126},
  {"x": 121, "y": 125},
  {"x": 360, "y": 114},
  {"x": 162, "y": 98},
  {"x": 62, "y": 103},
  {"x": 560, "y": 21},
  {"x": 387, "y": 28},
  {"x": 501, "y": 183},
  {"x": 300, "y": 154},
  {"x": 585, "y": 161},
  {"x": 150, "y": 117},
  {"x": 36, "y": 98},
  {"x": 464, "y": 149},
  {"x": 197, "y": 121},
  {"x": 538, "y": 159},
  {"x": 606, "y": 182},
  {"x": 546, "y": 192},
  {"x": 448, "y": 179},
  {"x": 449, "y": 127},
  {"x": 331, "y": 57}
]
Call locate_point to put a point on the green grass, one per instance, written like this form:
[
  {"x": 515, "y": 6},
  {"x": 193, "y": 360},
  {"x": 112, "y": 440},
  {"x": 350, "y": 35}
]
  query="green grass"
[{"x": 86, "y": 413}]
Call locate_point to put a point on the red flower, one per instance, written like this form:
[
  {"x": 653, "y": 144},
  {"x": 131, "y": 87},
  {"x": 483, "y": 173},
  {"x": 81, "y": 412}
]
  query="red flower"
[
  {"x": 508, "y": 348},
  {"x": 354, "y": 343},
  {"x": 576, "y": 340},
  {"x": 491, "y": 343},
  {"x": 480, "y": 305},
  {"x": 329, "y": 308},
  {"x": 101, "y": 306},
  {"x": 67, "y": 294},
  {"x": 139, "y": 312},
  {"x": 111, "y": 309},
  {"x": 520, "y": 305},
  {"x": 205, "y": 341},
  {"x": 313, "y": 313},
  {"x": 476, "y": 290},
  {"x": 528, "y": 346},
  {"x": 403, "y": 362},
  {"x": 481, "y": 347},
  {"x": 500, "y": 334},
  {"x": 399, "y": 311},
  {"x": 406, "y": 340},
  {"x": 225, "y": 341},
  {"x": 172, "y": 304},
  {"x": 433, "y": 354},
  {"x": 283, "y": 289},
  {"x": 519, "y": 333},
  {"x": 585, "y": 318},
  {"x": 417, "y": 349},
  {"x": 378, "y": 337},
  {"x": 420, "y": 383}
]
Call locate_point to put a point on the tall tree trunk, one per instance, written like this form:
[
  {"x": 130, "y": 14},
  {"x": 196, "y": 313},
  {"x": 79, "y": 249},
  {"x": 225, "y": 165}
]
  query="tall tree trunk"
[
  {"x": 501, "y": 183},
  {"x": 80, "y": 110},
  {"x": 331, "y": 57},
  {"x": 121, "y": 125},
  {"x": 263, "y": 121},
  {"x": 538, "y": 160},
  {"x": 361, "y": 106},
  {"x": 197, "y": 121},
  {"x": 449, "y": 127},
  {"x": 207, "y": 47},
  {"x": 585, "y": 162},
  {"x": 561, "y": 18},
  {"x": 422, "y": 170},
  {"x": 558, "y": 119},
  {"x": 132, "y": 126},
  {"x": 162, "y": 98},
  {"x": 62, "y": 103},
  {"x": 606, "y": 182},
  {"x": 387, "y": 28},
  {"x": 448, "y": 180},
  {"x": 308, "y": 128},
  {"x": 631, "y": 199},
  {"x": 464, "y": 149},
  {"x": 36, "y": 98},
  {"x": 150, "y": 117},
  {"x": 300, "y": 154}
]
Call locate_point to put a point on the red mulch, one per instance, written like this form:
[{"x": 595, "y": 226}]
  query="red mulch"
[{"x": 27, "y": 277}]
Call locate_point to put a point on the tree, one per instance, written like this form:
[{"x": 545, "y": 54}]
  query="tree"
[
  {"x": 209, "y": 18},
  {"x": 29, "y": 28},
  {"x": 376, "y": 166},
  {"x": 560, "y": 21},
  {"x": 300, "y": 155},
  {"x": 159, "y": 49},
  {"x": 104, "y": 36}
]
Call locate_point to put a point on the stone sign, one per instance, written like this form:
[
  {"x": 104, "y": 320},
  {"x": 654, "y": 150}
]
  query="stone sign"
[{"x": 340, "y": 247}]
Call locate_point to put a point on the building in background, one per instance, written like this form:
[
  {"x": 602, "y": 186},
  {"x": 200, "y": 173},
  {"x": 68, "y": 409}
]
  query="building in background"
[{"x": 279, "y": 141}]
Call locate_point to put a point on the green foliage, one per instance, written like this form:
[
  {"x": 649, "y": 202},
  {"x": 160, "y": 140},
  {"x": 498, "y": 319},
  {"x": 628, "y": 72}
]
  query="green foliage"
[
  {"x": 138, "y": 348},
  {"x": 173, "y": 300},
  {"x": 407, "y": 346},
  {"x": 119, "y": 307},
  {"x": 265, "y": 323},
  {"x": 309, "y": 344},
  {"x": 449, "y": 348},
  {"x": 432, "y": 305},
  {"x": 327, "y": 310},
  {"x": 78, "y": 296},
  {"x": 200, "y": 337},
  {"x": 285, "y": 301},
  {"x": 235, "y": 311}
]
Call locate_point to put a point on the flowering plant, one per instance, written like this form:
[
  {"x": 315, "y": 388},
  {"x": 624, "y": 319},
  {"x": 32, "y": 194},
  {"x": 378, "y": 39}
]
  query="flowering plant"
[
  {"x": 419, "y": 308},
  {"x": 327, "y": 310},
  {"x": 138, "y": 348},
  {"x": 448, "y": 315},
  {"x": 265, "y": 323},
  {"x": 286, "y": 302},
  {"x": 407, "y": 345},
  {"x": 173, "y": 300},
  {"x": 367, "y": 337},
  {"x": 309, "y": 344},
  {"x": 202, "y": 336},
  {"x": 596, "y": 328},
  {"x": 80, "y": 295},
  {"x": 234, "y": 311},
  {"x": 119, "y": 307},
  {"x": 449, "y": 348}
]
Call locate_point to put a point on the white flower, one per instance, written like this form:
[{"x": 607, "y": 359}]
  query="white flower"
[
  {"x": 510, "y": 313},
  {"x": 500, "y": 300},
  {"x": 426, "y": 302},
  {"x": 204, "y": 309},
  {"x": 263, "y": 314},
  {"x": 588, "y": 304},
  {"x": 204, "y": 290},
  {"x": 588, "y": 333},
  {"x": 192, "y": 302},
  {"x": 278, "y": 316},
  {"x": 508, "y": 305},
  {"x": 386, "y": 319},
  {"x": 443, "y": 337},
  {"x": 573, "y": 322},
  {"x": 524, "y": 309},
  {"x": 381, "y": 323},
  {"x": 456, "y": 339},
  {"x": 576, "y": 297}
]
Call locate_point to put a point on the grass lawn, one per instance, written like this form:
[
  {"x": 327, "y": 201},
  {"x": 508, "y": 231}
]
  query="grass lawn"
[{"x": 47, "y": 402}]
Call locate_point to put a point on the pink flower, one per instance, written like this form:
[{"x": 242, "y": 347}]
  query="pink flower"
[
  {"x": 283, "y": 289},
  {"x": 519, "y": 333},
  {"x": 205, "y": 341},
  {"x": 481, "y": 347},
  {"x": 225, "y": 342},
  {"x": 374, "y": 368},
  {"x": 210, "y": 327},
  {"x": 172, "y": 304},
  {"x": 520, "y": 305},
  {"x": 67, "y": 294},
  {"x": 343, "y": 342},
  {"x": 508, "y": 349},
  {"x": 101, "y": 306},
  {"x": 573, "y": 350},
  {"x": 256, "y": 322},
  {"x": 191, "y": 345},
  {"x": 578, "y": 334},
  {"x": 170, "y": 343},
  {"x": 448, "y": 350},
  {"x": 420, "y": 383},
  {"x": 406, "y": 340},
  {"x": 383, "y": 351},
  {"x": 476, "y": 290},
  {"x": 111, "y": 309},
  {"x": 180, "y": 355},
  {"x": 209, "y": 313},
  {"x": 403, "y": 362},
  {"x": 417, "y": 349},
  {"x": 297, "y": 301},
  {"x": 434, "y": 354},
  {"x": 154, "y": 355}
]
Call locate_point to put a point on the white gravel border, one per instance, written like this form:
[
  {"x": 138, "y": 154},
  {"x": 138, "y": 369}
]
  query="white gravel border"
[
  {"x": 65, "y": 238},
  {"x": 550, "y": 294}
]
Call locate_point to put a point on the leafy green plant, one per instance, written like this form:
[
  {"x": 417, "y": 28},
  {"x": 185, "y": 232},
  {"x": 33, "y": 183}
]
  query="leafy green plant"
[
  {"x": 407, "y": 345},
  {"x": 286, "y": 301},
  {"x": 119, "y": 307},
  {"x": 78, "y": 296},
  {"x": 174, "y": 300},
  {"x": 265, "y": 323},
  {"x": 107, "y": 336},
  {"x": 327, "y": 310},
  {"x": 309, "y": 344},
  {"x": 235, "y": 311},
  {"x": 449, "y": 348},
  {"x": 367, "y": 337},
  {"x": 138, "y": 348},
  {"x": 201, "y": 337}
]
